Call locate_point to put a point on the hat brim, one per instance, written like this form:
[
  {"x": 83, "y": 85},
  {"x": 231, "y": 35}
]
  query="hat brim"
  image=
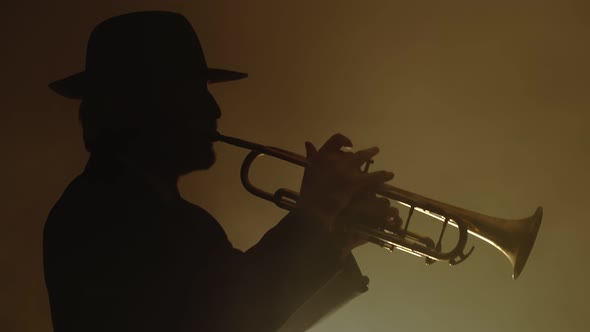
[
  {"x": 70, "y": 87},
  {"x": 223, "y": 75},
  {"x": 76, "y": 86}
]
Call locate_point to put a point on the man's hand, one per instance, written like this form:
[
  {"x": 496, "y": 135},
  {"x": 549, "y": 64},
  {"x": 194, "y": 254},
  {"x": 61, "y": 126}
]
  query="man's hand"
[
  {"x": 333, "y": 178},
  {"x": 367, "y": 209}
]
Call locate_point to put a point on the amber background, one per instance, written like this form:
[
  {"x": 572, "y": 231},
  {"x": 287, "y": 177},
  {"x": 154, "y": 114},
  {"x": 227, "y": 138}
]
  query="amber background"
[{"x": 482, "y": 104}]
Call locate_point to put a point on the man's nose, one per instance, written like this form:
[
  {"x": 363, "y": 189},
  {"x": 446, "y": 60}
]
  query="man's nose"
[{"x": 212, "y": 106}]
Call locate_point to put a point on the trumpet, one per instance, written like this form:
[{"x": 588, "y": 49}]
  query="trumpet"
[{"x": 513, "y": 238}]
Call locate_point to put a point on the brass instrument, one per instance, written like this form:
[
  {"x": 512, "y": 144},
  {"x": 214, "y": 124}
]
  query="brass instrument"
[{"x": 514, "y": 238}]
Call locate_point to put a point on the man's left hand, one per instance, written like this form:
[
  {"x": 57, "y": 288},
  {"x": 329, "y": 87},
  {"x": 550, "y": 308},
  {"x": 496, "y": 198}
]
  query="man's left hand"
[{"x": 367, "y": 209}]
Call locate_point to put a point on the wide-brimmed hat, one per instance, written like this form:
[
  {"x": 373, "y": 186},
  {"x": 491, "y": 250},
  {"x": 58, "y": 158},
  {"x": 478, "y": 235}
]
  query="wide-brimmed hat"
[{"x": 137, "y": 49}]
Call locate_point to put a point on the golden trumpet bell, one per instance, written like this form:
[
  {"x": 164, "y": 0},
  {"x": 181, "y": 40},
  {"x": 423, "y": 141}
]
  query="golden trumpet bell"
[{"x": 514, "y": 238}]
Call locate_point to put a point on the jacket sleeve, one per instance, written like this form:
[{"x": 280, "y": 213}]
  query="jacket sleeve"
[
  {"x": 344, "y": 286},
  {"x": 293, "y": 277}
]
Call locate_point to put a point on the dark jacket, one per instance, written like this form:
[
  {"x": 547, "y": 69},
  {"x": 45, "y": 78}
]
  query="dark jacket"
[{"x": 120, "y": 256}]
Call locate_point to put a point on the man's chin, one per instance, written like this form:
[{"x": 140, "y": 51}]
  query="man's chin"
[
  {"x": 209, "y": 162},
  {"x": 199, "y": 161}
]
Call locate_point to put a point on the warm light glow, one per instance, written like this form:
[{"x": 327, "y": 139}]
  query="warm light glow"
[{"x": 481, "y": 103}]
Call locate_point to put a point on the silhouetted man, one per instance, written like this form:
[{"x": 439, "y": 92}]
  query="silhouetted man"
[{"x": 124, "y": 252}]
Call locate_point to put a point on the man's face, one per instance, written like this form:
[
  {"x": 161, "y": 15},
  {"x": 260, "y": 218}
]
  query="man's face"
[{"x": 189, "y": 123}]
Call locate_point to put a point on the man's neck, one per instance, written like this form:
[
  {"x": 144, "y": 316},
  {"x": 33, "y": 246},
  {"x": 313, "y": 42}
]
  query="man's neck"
[{"x": 163, "y": 181}]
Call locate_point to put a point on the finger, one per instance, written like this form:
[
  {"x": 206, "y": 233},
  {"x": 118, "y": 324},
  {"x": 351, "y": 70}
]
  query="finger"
[
  {"x": 369, "y": 204},
  {"x": 310, "y": 150},
  {"x": 398, "y": 222},
  {"x": 362, "y": 156},
  {"x": 364, "y": 195},
  {"x": 368, "y": 180},
  {"x": 382, "y": 205},
  {"x": 386, "y": 213},
  {"x": 395, "y": 221},
  {"x": 335, "y": 143}
]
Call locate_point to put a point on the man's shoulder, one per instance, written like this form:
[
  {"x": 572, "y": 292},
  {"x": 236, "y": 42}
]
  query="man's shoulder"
[
  {"x": 85, "y": 192},
  {"x": 91, "y": 203}
]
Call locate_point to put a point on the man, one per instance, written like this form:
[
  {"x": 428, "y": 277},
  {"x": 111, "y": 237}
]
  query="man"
[{"x": 124, "y": 252}]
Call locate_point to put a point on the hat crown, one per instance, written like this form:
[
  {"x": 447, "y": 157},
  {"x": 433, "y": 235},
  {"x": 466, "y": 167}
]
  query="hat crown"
[
  {"x": 139, "y": 50},
  {"x": 152, "y": 44}
]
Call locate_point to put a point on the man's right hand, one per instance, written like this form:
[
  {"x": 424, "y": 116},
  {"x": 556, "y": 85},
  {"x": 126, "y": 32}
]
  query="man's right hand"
[{"x": 333, "y": 177}]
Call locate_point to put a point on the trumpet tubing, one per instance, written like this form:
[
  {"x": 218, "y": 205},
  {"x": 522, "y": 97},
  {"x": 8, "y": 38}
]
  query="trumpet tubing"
[{"x": 514, "y": 238}]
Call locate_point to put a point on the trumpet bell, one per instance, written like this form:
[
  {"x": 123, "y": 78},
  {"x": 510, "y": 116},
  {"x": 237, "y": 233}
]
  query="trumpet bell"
[
  {"x": 514, "y": 238},
  {"x": 519, "y": 240}
]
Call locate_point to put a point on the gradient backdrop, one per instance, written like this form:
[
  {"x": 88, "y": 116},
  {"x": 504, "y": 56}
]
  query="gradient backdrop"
[{"x": 482, "y": 104}]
